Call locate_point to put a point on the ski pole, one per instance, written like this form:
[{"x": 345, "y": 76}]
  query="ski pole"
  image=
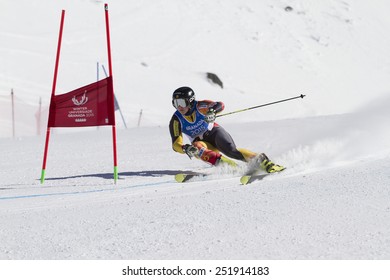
[{"x": 263, "y": 105}]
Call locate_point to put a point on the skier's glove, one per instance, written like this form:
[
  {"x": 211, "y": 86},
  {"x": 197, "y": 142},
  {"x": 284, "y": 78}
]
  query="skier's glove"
[
  {"x": 190, "y": 150},
  {"x": 210, "y": 116}
]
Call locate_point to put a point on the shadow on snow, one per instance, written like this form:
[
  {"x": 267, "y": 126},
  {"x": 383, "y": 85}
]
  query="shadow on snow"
[{"x": 121, "y": 175}]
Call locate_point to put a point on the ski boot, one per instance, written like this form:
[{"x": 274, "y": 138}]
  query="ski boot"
[{"x": 267, "y": 165}]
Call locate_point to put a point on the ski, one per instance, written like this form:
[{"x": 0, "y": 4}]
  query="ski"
[
  {"x": 255, "y": 176},
  {"x": 254, "y": 172},
  {"x": 185, "y": 177},
  {"x": 247, "y": 179}
]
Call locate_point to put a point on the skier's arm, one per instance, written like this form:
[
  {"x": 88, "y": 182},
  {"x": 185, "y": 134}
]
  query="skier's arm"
[
  {"x": 205, "y": 105},
  {"x": 218, "y": 106},
  {"x": 176, "y": 135}
]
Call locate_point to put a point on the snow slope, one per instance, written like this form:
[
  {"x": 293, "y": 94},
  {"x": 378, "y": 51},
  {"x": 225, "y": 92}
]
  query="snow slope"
[{"x": 333, "y": 201}]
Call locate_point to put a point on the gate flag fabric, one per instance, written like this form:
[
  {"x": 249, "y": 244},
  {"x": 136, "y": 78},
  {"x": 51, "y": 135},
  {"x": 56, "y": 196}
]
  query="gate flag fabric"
[{"x": 90, "y": 105}]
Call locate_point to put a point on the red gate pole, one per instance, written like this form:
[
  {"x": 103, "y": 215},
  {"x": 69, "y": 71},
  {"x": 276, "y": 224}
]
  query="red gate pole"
[
  {"x": 52, "y": 95},
  {"x": 110, "y": 72}
]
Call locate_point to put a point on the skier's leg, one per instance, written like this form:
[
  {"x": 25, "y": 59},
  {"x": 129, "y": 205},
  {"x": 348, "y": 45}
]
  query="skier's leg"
[
  {"x": 207, "y": 152},
  {"x": 210, "y": 154},
  {"x": 225, "y": 143},
  {"x": 248, "y": 155}
]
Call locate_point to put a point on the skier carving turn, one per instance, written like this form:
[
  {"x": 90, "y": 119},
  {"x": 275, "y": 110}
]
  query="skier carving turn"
[{"x": 210, "y": 142}]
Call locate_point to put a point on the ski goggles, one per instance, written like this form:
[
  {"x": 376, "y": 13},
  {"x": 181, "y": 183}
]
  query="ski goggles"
[{"x": 179, "y": 102}]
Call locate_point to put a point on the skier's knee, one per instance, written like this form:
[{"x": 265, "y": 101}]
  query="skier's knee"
[
  {"x": 233, "y": 152},
  {"x": 206, "y": 154}
]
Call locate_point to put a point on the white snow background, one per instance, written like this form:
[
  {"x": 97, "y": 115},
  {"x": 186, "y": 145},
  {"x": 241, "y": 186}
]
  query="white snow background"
[{"x": 332, "y": 202}]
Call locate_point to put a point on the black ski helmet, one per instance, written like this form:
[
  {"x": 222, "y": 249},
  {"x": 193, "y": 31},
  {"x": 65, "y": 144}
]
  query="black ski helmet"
[{"x": 185, "y": 93}]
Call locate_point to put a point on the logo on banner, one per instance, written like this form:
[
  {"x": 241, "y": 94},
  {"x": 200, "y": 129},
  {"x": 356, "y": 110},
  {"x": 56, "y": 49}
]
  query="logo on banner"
[{"x": 84, "y": 100}]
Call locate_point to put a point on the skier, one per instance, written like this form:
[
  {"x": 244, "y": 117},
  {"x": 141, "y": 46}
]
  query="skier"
[{"x": 209, "y": 141}]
